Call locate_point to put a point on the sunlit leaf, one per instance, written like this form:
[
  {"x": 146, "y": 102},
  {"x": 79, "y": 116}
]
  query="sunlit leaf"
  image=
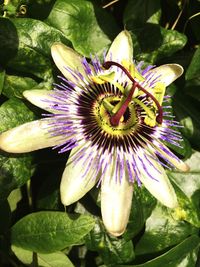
[
  {"x": 56, "y": 259},
  {"x": 48, "y": 231},
  {"x": 84, "y": 24}
]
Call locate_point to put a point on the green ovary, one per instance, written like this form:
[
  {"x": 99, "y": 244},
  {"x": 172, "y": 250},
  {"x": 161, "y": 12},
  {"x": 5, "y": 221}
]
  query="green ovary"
[{"x": 103, "y": 110}]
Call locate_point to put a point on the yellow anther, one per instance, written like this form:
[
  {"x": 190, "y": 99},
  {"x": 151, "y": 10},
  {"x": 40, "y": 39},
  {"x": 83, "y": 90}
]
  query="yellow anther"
[
  {"x": 97, "y": 80},
  {"x": 159, "y": 92},
  {"x": 132, "y": 70}
]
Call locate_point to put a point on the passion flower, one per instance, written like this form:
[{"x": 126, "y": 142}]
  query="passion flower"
[{"x": 114, "y": 118}]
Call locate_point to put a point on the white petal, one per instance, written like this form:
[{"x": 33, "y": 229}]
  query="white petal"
[
  {"x": 167, "y": 73},
  {"x": 159, "y": 185},
  {"x": 121, "y": 48},
  {"x": 40, "y": 98},
  {"x": 116, "y": 200},
  {"x": 28, "y": 137},
  {"x": 65, "y": 57},
  {"x": 73, "y": 186}
]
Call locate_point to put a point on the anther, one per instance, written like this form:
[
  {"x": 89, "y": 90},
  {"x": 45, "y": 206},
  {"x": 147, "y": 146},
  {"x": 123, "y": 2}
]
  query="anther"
[
  {"x": 114, "y": 120},
  {"x": 108, "y": 64}
]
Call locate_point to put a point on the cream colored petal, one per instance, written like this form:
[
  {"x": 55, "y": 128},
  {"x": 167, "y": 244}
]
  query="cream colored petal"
[
  {"x": 156, "y": 181},
  {"x": 28, "y": 137},
  {"x": 40, "y": 98},
  {"x": 73, "y": 186},
  {"x": 65, "y": 57},
  {"x": 167, "y": 73},
  {"x": 116, "y": 200},
  {"x": 121, "y": 48}
]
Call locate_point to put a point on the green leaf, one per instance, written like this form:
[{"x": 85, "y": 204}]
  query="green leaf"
[
  {"x": 40, "y": 9},
  {"x": 9, "y": 40},
  {"x": 5, "y": 215},
  {"x": 192, "y": 88},
  {"x": 163, "y": 231},
  {"x": 56, "y": 259},
  {"x": 48, "y": 197},
  {"x": 142, "y": 205},
  {"x": 189, "y": 181},
  {"x": 82, "y": 23},
  {"x": 188, "y": 114},
  {"x": 46, "y": 232},
  {"x": 112, "y": 250},
  {"x": 183, "y": 255},
  {"x": 187, "y": 209},
  {"x": 138, "y": 12},
  {"x": 2, "y": 78},
  {"x": 187, "y": 189},
  {"x": 13, "y": 113},
  {"x": 147, "y": 49},
  {"x": 14, "y": 170},
  {"x": 193, "y": 70},
  {"x": 15, "y": 85},
  {"x": 14, "y": 198},
  {"x": 29, "y": 43}
]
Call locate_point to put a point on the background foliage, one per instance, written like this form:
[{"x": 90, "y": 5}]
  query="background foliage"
[{"x": 34, "y": 228}]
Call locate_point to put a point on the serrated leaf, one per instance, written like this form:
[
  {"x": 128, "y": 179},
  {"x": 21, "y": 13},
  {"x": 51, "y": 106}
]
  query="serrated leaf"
[
  {"x": 138, "y": 12},
  {"x": 47, "y": 232},
  {"x": 83, "y": 23},
  {"x": 147, "y": 49},
  {"x": 193, "y": 70},
  {"x": 182, "y": 255},
  {"x": 26, "y": 45},
  {"x": 14, "y": 170},
  {"x": 163, "y": 231},
  {"x": 56, "y": 259},
  {"x": 111, "y": 249}
]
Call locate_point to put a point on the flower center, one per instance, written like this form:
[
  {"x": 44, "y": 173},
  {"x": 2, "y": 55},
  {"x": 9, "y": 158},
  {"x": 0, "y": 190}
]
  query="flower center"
[
  {"x": 115, "y": 118},
  {"x": 127, "y": 122}
]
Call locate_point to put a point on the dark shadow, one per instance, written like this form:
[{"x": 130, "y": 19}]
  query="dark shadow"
[
  {"x": 39, "y": 10},
  {"x": 45, "y": 182},
  {"x": 149, "y": 37},
  {"x": 184, "y": 107},
  {"x": 106, "y": 21},
  {"x": 9, "y": 41}
]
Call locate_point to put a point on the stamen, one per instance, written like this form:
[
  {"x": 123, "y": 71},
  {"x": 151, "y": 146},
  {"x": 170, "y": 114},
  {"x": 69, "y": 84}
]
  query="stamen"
[{"x": 159, "y": 117}]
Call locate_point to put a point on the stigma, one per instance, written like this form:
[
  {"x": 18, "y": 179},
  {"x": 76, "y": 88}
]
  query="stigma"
[{"x": 126, "y": 99}]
